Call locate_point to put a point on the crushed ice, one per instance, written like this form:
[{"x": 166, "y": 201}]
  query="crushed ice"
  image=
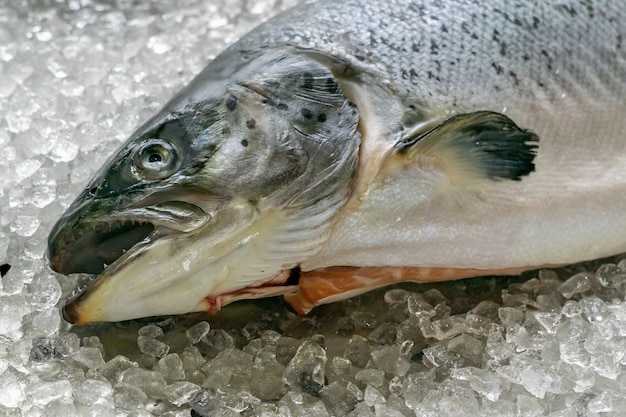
[{"x": 75, "y": 78}]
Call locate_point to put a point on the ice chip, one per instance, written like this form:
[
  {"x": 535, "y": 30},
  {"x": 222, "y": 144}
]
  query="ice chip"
[
  {"x": 219, "y": 339},
  {"x": 114, "y": 367},
  {"x": 498, "y": 348},
  {"x": 340, "y": 365},
  {"x": 12, "y": 386},
  {"x": 528, "y": 406},
  {"x": 593, "y": 309},
  {"x": 372, "y": 397},
  {"x": 89, "y": 357},
  {"x": 43, "y": 392},
  {"x": 610, "y": 275},
  {"x": 93, "y": 392},
  {"x": 396, "y": 296},
  {"x": 25, "y": 226},
  {"x": 571, "y": 309},
  {"x": 437, "y": 356},
  {"x": 373, "y": 377},
  {"x": 338, "y": 398},
  {"x": 266, "y": 381},
  {"x": 305, "y": 371},
  {"x": 577, "y": 284},
  {"x": 389, "y": 360},
  {"x": 150, "y": 382},
  {"x": 151, "y": 330},
  {"x": 44, "y": 349},
  {"x": 152, "y": 347},
  {"x": 358, "y": 351},
  {"x": 361, "y": 410},
  {"x": 447, "y": 328},
  {"x": 228, "y": 364},
  {"x": 510, "y": 316},
  {"x": 181, "y": 393},
  {"x": 171, "y": 367},
  {"x": 383, "y": 334},
  {"x": 486, "y": 383},
  {"x": 467, "y": 350},
  {"x": 549, "y": 321},
  {"x": 12, "y": 309},
  {"x": 196, "y": 332},
  {"x": 419, "y": 307}
]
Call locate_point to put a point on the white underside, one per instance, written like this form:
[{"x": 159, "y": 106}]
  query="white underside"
[{"x": 572, "y": 208}]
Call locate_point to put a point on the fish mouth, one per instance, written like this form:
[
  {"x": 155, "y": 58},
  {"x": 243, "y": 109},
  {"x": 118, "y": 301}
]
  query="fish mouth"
[{"x": 100, "y": 243}]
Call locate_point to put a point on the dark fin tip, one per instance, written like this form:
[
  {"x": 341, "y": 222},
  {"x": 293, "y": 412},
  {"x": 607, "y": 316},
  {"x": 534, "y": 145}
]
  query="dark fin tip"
[
  {"x": 490, "y": 141},
  {"x": 4, "y": 269}
]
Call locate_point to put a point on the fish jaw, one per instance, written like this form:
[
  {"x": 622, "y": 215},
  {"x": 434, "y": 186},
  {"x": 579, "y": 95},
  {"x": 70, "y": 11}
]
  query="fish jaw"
[{"x": 243, "y": 255}]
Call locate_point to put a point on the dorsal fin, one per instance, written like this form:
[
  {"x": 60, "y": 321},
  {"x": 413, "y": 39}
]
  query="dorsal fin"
[{"x": 475, "y": 146}]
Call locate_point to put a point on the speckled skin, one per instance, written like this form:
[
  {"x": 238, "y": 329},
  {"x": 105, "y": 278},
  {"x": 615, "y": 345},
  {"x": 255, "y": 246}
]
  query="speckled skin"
[{"x": 453, "y": 54}]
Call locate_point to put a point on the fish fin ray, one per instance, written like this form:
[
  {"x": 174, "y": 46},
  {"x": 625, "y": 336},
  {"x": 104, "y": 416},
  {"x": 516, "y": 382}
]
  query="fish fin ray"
[{"x": 474, "y": 146}]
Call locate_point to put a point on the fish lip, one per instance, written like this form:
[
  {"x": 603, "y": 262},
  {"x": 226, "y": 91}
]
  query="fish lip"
[{"x": 92, "y": 242}]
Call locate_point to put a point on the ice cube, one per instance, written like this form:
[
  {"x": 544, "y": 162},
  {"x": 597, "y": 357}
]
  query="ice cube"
[
  {"x": 577, "y": 284},
  {"x": 340, "y": 365},
  {"x": 180, "y": 393},
  {"x": 151, "y": 330},
  {"x": 171, "y": 367},
  {"x": 150, "y": 382},
  {"x": 93, "y": 392},
  {"x": 12, "y": 386},
  {"x": 610, "y": 276},
  {"x": 88, "y": 357},
  {"x": 389, "y": 360},
  {"x": 44, "y": 349},
  {"x": 306, "y": 368},
  {"x": 152, "y": 347},
  {"x": 43, "y": 392},
  {"x": 358, "y": 351},
  {"x": 374, "y": 377},
  {"x": 228, "y": 364},
  {"x": 510, "y": 316},
  {"x": 338, "y": 398},
  {"x": 266, "y": 381}
]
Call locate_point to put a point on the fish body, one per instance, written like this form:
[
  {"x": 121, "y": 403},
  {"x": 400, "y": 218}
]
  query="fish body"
[{"x": 360, "y": 143}]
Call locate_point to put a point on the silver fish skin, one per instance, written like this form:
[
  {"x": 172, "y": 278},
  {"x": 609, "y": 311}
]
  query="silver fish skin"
[{"x": 448, "y": 135}]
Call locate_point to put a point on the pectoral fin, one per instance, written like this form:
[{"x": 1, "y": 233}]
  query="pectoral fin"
[{"x": 474, "y": 146}]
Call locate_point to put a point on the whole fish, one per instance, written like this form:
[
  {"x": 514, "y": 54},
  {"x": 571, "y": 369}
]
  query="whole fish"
[{"x": 347, "y": 145}]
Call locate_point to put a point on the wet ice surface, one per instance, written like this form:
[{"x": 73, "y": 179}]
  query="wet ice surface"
[{"x": 75, "y": 79}]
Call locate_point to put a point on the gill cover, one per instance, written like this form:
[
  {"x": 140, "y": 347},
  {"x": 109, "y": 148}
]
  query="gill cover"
[{"x": 234, "y": 182}]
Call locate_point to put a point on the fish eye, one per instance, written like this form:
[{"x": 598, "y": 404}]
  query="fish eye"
[{"x": 155, "y": 159}]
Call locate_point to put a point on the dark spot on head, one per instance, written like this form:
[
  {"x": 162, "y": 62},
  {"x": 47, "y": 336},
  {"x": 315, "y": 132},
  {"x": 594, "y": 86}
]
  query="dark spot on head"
[
  {"x": 231, "y": 103},
  {"x": 306, "y": 113},
  {"x": 282, "y": 106},
  {"x": 321, "y": 118},
  {"x": 226, "y": 131},
  {"x": 308, "y": 81},
  {"x": 244, "y": 143},
  {"x": 4, "y": 269},
  {"x": 251, "y": 123}
]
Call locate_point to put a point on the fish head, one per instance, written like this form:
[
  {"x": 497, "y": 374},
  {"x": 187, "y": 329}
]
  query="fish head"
[{"x": 199, "y": 203}]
